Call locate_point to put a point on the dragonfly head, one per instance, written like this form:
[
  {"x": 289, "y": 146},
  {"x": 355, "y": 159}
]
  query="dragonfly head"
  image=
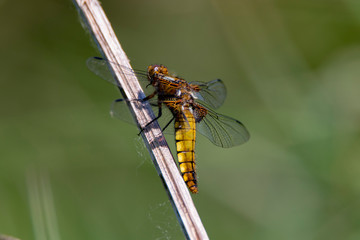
[{"x": 155, "y": 70}]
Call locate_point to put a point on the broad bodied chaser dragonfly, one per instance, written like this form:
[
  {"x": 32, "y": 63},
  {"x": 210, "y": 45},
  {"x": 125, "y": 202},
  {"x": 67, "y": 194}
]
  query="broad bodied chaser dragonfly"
[{"x": 189, "y": 105}]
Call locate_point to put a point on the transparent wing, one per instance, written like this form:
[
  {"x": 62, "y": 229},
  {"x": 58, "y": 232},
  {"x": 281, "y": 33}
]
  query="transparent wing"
[
  {"x": 221, "y": 130},
  {"x": 120, "y": 110},
  {"x": 100, "y": 67},
  {"x": 213, "y": 92}
]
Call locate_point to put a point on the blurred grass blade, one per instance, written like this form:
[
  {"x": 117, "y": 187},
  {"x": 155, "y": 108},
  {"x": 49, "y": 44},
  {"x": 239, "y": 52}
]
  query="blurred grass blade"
[
  {"x": 5, "y": 237},
  {"x": 43, "y": 213}
]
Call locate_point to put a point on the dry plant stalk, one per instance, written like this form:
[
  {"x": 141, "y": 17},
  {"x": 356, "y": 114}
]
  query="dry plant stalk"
[{"x": 98, "y": 25}]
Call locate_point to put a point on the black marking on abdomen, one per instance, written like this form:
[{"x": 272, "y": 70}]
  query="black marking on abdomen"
[
  {"x": 185, "y": 151},
  {"x": 184, "y": 140},
  {"x": 193, "y": 172}
]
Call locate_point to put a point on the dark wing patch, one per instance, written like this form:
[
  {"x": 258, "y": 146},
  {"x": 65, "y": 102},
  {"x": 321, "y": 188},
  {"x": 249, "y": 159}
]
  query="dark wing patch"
[{"x": 212, "y": 93}]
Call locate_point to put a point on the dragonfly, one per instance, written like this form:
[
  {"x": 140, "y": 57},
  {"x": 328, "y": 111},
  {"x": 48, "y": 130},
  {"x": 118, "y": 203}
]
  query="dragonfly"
[{"x": 188, "y": 105}]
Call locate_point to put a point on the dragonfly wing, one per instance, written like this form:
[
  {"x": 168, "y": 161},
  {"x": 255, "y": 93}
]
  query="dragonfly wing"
[
  {"x": 223, "y": 131},
  {"x": 100, "y": 67},
  {"x": 120, "y": 110},
  {"x": 213, "y": 92}
]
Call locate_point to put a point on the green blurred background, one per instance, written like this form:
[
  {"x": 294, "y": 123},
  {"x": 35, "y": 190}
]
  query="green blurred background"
[{"x": 70, "y": 171}]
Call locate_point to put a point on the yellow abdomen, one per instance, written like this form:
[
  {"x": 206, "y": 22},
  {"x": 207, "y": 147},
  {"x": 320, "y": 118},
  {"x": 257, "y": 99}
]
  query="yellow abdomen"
[{"x": 185, "y": 133}]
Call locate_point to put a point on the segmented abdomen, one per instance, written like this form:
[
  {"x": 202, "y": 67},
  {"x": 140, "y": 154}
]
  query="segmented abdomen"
[{"x": 185, "y": 133}]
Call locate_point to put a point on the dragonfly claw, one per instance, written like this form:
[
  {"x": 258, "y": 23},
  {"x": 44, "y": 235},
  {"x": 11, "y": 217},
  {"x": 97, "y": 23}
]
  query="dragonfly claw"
[{"x": 141, "y": 131}]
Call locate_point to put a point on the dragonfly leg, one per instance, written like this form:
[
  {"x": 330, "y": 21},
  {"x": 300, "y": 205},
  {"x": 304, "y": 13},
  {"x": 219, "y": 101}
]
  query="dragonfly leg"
[
  {"x": 168, "y": 124},
  {"x": 140, "y": 100},
  {"x": 143, "y": 100},
  {"x": 158, "y": 116},
  {"x": 149, "y": 97},
  {"x": 122, "y": 99}
]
